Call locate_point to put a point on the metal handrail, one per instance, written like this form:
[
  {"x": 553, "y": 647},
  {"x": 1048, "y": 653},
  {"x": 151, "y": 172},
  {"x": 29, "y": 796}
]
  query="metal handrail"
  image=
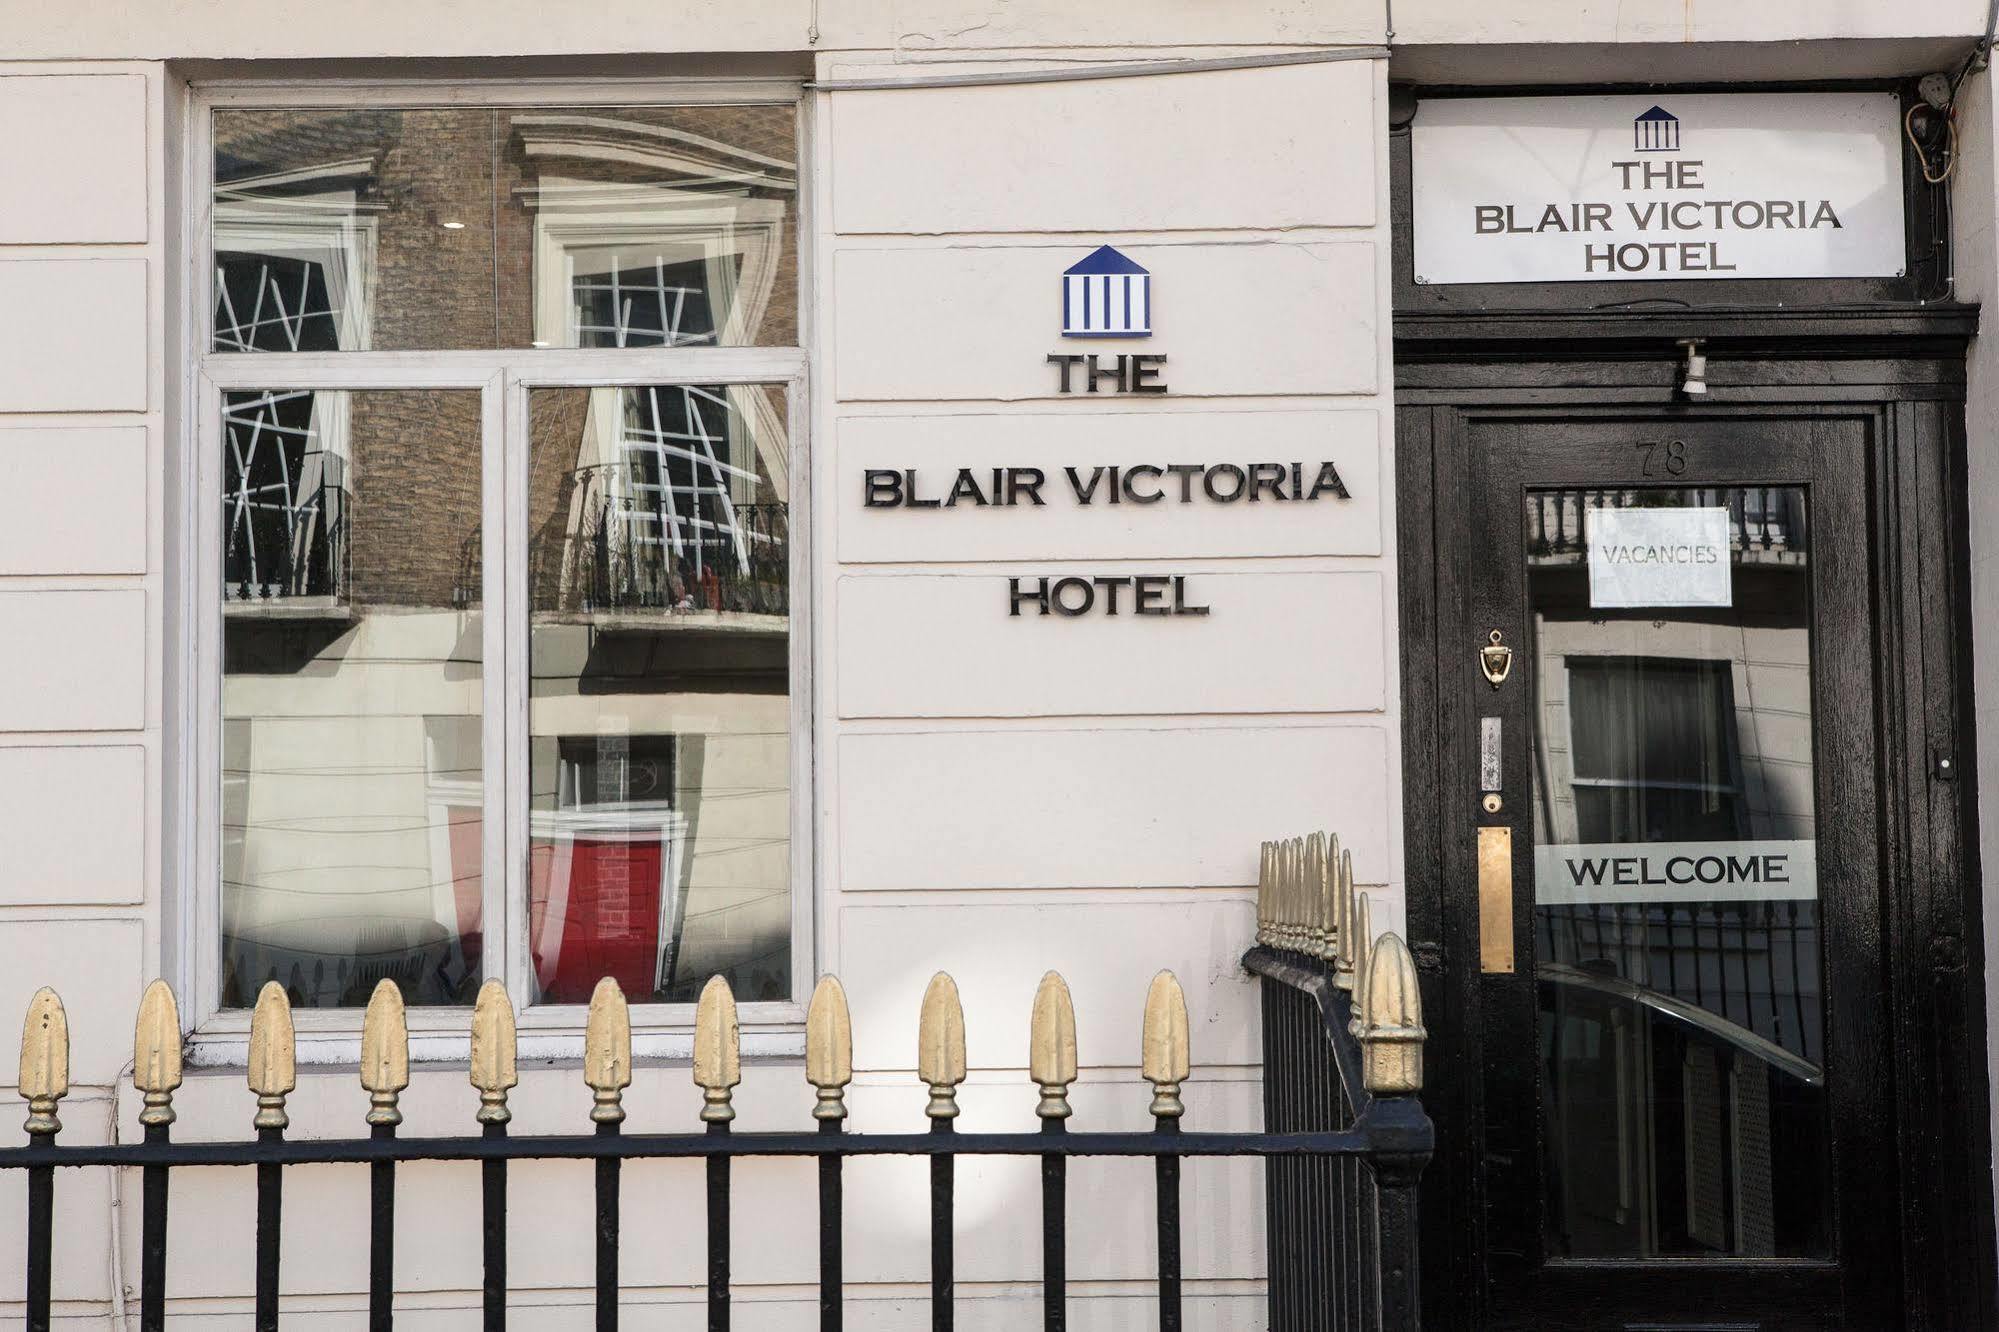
[{"x": 1691, "y": 1015}]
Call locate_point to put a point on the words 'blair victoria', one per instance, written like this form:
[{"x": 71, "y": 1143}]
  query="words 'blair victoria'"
[{"x": 1141, "y": 483}]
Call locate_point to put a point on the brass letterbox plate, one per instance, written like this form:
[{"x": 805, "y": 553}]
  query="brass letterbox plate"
[{"x": 1495, "y": 900}]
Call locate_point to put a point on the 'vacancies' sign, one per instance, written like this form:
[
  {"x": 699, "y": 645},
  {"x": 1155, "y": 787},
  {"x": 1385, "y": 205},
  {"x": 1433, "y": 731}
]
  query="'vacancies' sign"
[{"x": 1712, "y": 185}]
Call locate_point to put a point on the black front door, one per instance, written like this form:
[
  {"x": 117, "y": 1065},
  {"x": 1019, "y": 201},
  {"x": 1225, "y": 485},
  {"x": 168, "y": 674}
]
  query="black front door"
[{"x": 1663, "y": 749}]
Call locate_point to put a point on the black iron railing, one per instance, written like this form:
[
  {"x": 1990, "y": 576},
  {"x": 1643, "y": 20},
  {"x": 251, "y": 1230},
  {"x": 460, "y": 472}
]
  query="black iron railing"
[
  {"x": 607, "y": 1071},
  {"x": 1342, "y": 1053}
]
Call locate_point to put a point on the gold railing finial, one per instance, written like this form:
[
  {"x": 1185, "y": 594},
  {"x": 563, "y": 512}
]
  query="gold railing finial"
[
  {"x": 1392, "y": 1039},
  {"x": 940, "y": 1046},
  {"x": 1280, "y": 859},
  {"x": 1318, "y": 930},
  {"x": 718, "y": 1053},
  {"x": 273, "y": 1070},
  {"x": 44, "y": 1062},
  {"x": 1326, "y": 893},
  {"x": 1363, "y": 944},
  {"x": 385, "y": 1053},
  {"x": 1301, "y": 916},
  {"x": 607, "y": 1052},
  {"x": 156, "y": 1054},
  {"x": 1265, "y": 858},
  {"x": 1051, "y": 1046},
  {"x": 1280, "y": 871},
  {"x": 1343, "y": 960},
  {"x": 495, "y": 1052},
  {"x": 829, "y": 1048},
  {"x": 1294, "y": 894},
  {"x": 1278, "y": 851},
  {"x": 1164, "y": 1054}
]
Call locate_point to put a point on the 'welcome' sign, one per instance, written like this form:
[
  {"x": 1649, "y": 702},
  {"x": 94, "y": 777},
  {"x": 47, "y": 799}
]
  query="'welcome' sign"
[
  {"x": 1717, "y": 185},
  {"x": 1587, "y": 873}
]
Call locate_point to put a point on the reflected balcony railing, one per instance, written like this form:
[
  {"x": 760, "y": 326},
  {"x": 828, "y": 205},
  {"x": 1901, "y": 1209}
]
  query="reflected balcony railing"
[
  {"x": 621, "y": 540},
  {"x": 1767, "y": 524},
  {"x": 290, "y": 554}
]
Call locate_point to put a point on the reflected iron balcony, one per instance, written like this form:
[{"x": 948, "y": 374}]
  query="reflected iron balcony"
[
  {"x": 286, "y": 556},
  {"x": 1767, "y": 524},
  {"x": 622, "y": 540}
]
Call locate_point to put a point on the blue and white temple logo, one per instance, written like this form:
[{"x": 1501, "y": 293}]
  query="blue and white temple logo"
[
  {"x": 1657, "y": 131},
  {"x": 1105, "y": 295}
]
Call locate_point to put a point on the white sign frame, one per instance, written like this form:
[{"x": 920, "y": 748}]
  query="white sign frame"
[{"x": 1569, "y": 180}]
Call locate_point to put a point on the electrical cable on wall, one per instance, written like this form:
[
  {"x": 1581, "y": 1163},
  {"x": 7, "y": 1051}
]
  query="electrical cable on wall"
[{"x": 1930, "y": 125}]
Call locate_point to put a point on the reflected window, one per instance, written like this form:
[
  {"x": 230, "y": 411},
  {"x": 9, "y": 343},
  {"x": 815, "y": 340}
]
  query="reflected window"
[
  {"x": 284, "y": 497},
  {"x": 466, "y": 228},
  {"x": 1653, "y": 746}
]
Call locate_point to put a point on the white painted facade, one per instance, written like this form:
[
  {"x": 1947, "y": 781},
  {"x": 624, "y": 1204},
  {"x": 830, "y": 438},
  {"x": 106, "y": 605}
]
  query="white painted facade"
[{"x": 990, "y": 796}]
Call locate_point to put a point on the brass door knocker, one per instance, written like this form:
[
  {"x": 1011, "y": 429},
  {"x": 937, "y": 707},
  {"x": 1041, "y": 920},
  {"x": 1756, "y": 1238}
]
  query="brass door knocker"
[{"x": 1495, "y": 659}]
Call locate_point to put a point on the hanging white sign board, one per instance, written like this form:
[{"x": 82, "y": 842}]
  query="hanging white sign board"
[
  {"x": 1659, "y": 557},
  {"x": 1661, "y": 187}
]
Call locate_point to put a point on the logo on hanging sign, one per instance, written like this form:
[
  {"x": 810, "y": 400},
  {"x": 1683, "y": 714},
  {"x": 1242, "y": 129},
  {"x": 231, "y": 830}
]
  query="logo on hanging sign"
[{"x": 1656, "y": 131}]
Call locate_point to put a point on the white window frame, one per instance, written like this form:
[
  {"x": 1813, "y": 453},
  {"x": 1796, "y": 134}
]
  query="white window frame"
[{"x": 504, "y": 378}]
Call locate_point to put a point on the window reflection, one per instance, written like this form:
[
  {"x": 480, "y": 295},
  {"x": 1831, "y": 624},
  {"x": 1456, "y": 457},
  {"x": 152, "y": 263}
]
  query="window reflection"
[
  {"x": 350, "y": 229},
  {"x": 660, "y": 692},
  {"x": 351, "y": 695},
  {"x": 1677, "y": 942}
]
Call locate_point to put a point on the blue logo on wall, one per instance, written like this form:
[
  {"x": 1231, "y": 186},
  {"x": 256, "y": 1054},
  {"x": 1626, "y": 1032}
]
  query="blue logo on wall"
[
  {"x": 1657, "y": 131},
  {"x": 1105, "y": 295}
]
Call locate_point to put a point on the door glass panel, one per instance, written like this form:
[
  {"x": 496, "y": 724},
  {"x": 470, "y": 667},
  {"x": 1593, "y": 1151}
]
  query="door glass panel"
[{"x": 1676, "y": 919}]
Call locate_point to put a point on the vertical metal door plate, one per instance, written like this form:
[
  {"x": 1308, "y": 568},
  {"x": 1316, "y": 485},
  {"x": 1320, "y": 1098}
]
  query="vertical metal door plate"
[{"x": 1495, "y": 900}]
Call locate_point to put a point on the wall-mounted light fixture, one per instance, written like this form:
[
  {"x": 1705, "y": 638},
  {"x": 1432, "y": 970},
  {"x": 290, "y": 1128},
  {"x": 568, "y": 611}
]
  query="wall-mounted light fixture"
[{"x": 1693, "y": 372}]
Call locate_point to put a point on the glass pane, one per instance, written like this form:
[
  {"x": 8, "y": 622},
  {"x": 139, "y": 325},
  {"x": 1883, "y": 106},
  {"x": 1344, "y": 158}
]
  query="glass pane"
[
  {"x": 660, "y": 699},
  {"x": 629, "y": 226},
  {"x": 351, "y": 695},
  {"x": 1676, "y": 913}
]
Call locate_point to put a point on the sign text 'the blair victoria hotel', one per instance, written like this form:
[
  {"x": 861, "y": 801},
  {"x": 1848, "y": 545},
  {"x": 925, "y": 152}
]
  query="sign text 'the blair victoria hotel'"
[
  {"x": 1717, "y": 185},
  {"x": 1104, "y": 295}
]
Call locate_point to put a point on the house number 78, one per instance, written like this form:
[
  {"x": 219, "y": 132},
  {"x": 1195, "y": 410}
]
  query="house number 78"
[{"x": 1669, "y": 457}]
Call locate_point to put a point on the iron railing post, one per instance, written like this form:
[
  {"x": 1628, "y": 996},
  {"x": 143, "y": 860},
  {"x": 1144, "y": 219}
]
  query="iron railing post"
[
  {"x": 718, "y": 1236},
  {"x": 493, "y": 1234},
  {"x": 153, "y": 1238},
  {"x": 41, "y": 1244},
  {"x": 831, "y": 1278},
  {"x": 1404, "y": 1135},
  {"x": 270, "y": 1225}
]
